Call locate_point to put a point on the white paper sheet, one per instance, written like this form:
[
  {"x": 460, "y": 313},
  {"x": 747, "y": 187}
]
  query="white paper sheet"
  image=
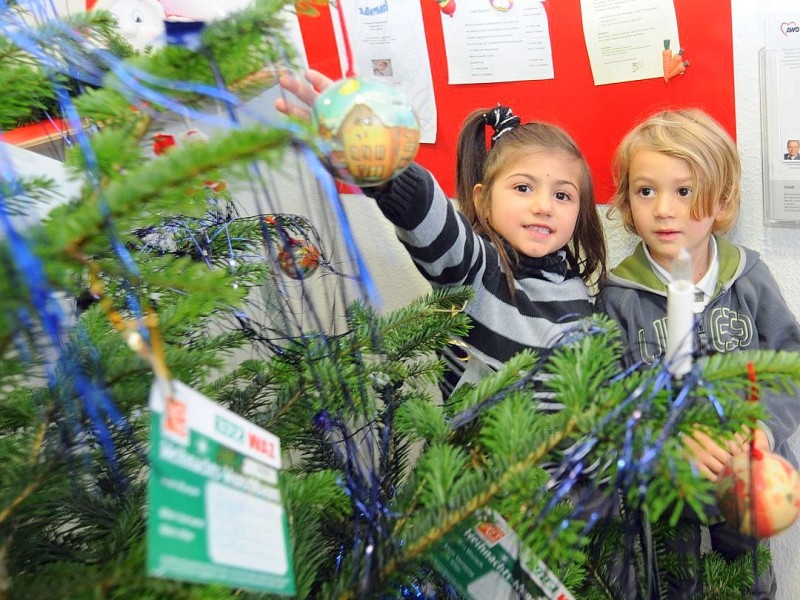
[
  {"x": 625, "y": 38},
  {"x": 486, "y": 45},
  {"x": 387, "y": 39}
]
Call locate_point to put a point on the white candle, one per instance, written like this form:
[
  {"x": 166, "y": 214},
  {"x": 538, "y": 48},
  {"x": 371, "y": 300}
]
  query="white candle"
[{"x": 680, "y": 316}]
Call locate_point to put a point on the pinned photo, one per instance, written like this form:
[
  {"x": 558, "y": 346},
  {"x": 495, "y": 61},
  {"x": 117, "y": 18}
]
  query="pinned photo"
[
  {"x": 792, "y": 150},
  {"x": 382, "y": 67}
]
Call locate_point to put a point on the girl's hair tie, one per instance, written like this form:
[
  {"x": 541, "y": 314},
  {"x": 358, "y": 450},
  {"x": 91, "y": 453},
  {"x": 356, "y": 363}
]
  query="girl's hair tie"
[{"x": 501, "y": 120}]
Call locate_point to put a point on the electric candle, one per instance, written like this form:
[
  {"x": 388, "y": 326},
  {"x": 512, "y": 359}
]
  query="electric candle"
[{"x": 680, "y": 316}]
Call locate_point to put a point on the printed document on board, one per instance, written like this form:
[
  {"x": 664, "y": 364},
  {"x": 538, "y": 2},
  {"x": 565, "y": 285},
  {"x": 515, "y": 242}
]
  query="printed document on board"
[
  {"x": 486, "y": 45},
  {"x": 625, "y": 39}
]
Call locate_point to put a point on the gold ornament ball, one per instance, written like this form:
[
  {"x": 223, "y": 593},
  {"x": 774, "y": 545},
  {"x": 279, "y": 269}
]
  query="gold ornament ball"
[
  {"x": 299, "y": 258},
  {"x": 369, "y": 129},
  {"x": 775, "y": 488}
]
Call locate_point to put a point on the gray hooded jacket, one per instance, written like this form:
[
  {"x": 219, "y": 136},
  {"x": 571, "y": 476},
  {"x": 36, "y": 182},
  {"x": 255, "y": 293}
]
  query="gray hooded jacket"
[{"x": 746, "y": 312}]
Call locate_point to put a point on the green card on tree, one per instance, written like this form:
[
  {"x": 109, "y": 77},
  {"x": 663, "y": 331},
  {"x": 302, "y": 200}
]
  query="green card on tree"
[
  {"x": 215, "y": 514},
  {"x": 483, "y": 559}
]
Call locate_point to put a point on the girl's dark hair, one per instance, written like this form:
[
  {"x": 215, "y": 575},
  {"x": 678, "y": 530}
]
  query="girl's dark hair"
[{"x": 477, "y": 164}]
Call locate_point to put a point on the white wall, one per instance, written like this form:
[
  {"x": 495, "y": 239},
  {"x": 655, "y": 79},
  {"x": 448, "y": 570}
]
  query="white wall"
[
  {"x": 69, "y": 7},
  {"x": 779, "y": 247}
]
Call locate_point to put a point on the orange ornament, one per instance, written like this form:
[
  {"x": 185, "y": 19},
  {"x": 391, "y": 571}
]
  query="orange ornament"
[
  {"x": 774, "y": 485},
  {"x": 299, "y": 259}
]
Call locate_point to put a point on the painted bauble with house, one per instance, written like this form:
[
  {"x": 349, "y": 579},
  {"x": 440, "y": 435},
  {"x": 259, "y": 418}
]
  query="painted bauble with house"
[{"x": 368, "y": 130}]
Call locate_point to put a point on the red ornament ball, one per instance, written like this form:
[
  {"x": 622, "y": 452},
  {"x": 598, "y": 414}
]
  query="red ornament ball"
[
  {"x": 299, "y": 258},
  {"x": 775, "y": 488},
  {"x": 448, "y": 7}
]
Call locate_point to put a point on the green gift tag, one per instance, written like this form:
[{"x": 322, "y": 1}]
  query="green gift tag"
[
  {"x": 215, "y": 514},
  {"x": 480, "y": 558}
]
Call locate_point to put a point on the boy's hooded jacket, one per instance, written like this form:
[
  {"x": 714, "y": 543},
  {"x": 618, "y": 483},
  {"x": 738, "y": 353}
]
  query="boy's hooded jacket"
[{"x": 746, "y": 312}]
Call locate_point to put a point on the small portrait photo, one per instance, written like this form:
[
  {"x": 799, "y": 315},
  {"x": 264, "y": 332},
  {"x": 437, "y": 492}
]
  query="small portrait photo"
[
  {"x": 792, "y": 150},
  {"x": 382, "y": 67}
]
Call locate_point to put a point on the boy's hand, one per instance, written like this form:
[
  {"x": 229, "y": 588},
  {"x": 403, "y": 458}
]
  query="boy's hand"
[
  {"x": 711, "y": 458},
  {"x": 306, "y": 91}
]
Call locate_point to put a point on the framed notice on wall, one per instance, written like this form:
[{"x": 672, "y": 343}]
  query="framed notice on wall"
[{"x": 780, "y": 91}]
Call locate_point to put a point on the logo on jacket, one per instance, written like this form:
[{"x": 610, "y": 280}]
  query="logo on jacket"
[{"x": 728, "y": 331}]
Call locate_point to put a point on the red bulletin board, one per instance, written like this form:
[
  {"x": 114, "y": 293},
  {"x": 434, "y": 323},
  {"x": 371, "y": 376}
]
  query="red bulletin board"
[{"x": 596, "y": 116}]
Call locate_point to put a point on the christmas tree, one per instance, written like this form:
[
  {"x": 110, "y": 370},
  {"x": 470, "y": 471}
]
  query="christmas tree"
[{"x": 151, "y": 273}]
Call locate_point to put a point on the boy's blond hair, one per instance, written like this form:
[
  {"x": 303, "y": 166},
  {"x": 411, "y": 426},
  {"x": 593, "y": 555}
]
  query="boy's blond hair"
[{"x": 692, "y": 135}]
